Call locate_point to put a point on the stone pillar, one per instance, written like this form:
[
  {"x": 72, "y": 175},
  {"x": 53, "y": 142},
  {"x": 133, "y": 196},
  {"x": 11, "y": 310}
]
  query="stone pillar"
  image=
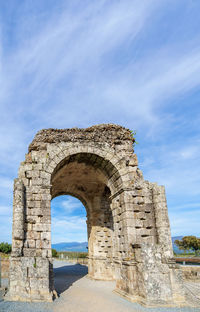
[
  {"x": 18, "y": 218},
  {"x": 31, "y": 275},
  {"x": 165, "y": 244},
  {"x": 145, "y": 269},
  {"x": 100, "y": 240},
  {"x": 162, "y": 220},
  {"x": 16, "y": 274},
  {"x": 125, "y": 236}
]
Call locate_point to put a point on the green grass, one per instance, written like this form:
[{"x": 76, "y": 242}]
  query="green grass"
[{"x": 188, "y": 254}]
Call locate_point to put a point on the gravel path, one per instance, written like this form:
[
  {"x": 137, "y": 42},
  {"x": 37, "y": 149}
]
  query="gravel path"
[{"x": 81, "y": 294}]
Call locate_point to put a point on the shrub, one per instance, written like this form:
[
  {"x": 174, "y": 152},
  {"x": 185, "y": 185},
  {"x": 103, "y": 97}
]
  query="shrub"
[
  {"x": 189, "y": 243},
  {"x": 54, "y": 253},
  {"x": 5, "y": 248}
]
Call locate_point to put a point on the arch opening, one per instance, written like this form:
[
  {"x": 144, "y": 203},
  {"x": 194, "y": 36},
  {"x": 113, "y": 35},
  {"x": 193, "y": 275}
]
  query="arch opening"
[
  {"x": 69, "y": 238},
  {"x": 86, "y": 177},
  {"x": 68, "y": 220}
]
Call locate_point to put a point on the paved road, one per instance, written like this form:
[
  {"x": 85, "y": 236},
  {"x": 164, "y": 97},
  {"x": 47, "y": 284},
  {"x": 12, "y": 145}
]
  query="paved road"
[{"x": 77, "y": 293}]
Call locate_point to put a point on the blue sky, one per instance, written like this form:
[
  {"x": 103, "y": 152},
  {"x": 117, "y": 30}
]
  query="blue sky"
[{"x": 78, "y": 63}]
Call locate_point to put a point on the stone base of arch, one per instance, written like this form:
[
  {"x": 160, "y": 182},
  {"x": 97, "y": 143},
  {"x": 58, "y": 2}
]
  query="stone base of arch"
[
  {"x": 100, "y": 268},
  {"x": 33, "y": 281},
  {"x": 30, "y": 279},
  {"x": 150, "y": 282}
]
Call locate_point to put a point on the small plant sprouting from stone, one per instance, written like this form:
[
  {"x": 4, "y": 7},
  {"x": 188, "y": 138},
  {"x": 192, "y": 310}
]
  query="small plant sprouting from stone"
[
  {"x": 133, "y": 134},
  {"x": 34, "y": 264}
]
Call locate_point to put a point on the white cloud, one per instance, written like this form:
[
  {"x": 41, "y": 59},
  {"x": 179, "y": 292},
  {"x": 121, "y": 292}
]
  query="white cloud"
[
  {"x": 192, "y": 207},
  {"x": 185, "y": 223},
  {"x": 174, "y": 166},
  {"x": 190, "y": 152},
  {"x": 71, "y": 222},
  {"x": 70, "y": 205},
  {"x": 68, "y": 41},
  {"x": 72, "y": 228},
  {"x": 75, "y": 49},
  {"x": 62, "y": 61}
]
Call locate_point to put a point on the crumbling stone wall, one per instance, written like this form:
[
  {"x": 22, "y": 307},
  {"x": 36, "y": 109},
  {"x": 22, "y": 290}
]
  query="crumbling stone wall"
[
  {"x": 191, "y": 273},
  {"x": 5, "y": 267},
  {"x": 128, "y": 227}
]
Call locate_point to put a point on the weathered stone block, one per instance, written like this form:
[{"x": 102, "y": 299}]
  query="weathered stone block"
[
  {"x": 43, "y": 244},
  {"x": 46, "y": 235},
  {"x": 42, "y": 227}
]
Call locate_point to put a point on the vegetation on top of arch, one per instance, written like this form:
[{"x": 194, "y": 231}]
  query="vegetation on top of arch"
[{"x": 133, "y": 134}]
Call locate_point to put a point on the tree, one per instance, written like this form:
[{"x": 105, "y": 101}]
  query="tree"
[
  {"x": 54, "y": 253},
  {"x": 189, "y": 243},
  {"x": 5, "y": 248}
]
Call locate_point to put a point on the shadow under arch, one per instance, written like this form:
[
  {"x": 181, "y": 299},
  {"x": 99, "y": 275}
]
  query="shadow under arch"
[
  {"x": 66, "y": 275},
  {"x": 105, "y": 170}
]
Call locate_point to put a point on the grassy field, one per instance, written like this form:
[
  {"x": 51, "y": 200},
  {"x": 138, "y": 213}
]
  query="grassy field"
[
  {"x": 188, "y": 255},
  {"x": 72, "y": 254}
]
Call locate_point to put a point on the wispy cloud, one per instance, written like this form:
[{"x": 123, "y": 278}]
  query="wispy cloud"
[
  {"x": 191, "y": 206},
  {"x": 79, "y": 51},
  {"x": 185, "y": 223},
  {"x": 67, "y": 205},
  {"x": 178, "y": 168},
  {"x": 70, "y": 205},
  {"x": 68, "y": 219},
  {"x": 73, "y": 228}
]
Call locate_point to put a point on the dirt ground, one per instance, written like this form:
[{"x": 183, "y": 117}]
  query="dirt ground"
[{"x": 78, "y": 293}]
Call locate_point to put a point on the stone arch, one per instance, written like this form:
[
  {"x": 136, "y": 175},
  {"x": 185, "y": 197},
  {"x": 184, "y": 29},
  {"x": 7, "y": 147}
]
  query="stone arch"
[
  {"x": 121, "y": 205},
  {"x": 109, "y": 167},
  {"x": 73, "y": 195}
]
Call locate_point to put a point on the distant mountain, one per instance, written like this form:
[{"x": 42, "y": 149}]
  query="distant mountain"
[{"x": 72, "y": 246}]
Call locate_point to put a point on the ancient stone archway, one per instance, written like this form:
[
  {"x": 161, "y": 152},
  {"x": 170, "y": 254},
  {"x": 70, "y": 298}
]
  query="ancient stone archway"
[{"x": 127, "y": 218}]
